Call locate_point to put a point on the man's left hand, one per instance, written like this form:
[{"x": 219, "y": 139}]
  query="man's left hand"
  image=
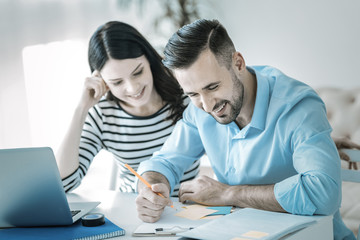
[{"x": 203, "y": 190}]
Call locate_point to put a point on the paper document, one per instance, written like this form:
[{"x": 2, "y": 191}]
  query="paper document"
[
  {"x": 185, "y": 218},
  {"x": 249, "y": 224}
]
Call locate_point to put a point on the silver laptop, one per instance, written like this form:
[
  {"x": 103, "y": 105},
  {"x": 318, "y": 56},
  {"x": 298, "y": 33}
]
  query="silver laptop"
[{"x": 31, "y": 191}]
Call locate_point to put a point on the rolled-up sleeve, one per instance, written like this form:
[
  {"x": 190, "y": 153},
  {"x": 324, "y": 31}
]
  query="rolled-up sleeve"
[
  {"x": 316, "y": 189},
  {"x": 308, "y": 194}
]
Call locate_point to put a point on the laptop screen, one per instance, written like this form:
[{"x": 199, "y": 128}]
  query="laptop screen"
[{"x": 31, "y": 191}]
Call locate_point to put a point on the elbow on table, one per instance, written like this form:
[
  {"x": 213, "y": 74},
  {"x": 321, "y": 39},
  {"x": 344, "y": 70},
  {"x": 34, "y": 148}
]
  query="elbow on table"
[
  {"x": 328, "y": 207},
  {"x": 309, "y": 194},
  {"x": 326, "y": 196}
]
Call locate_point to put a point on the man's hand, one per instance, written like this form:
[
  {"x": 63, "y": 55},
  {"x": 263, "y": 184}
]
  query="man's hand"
[
  {"x": 207, "y": 191},
  {"x": 203, "y": 190},
  {"x": 149, "y": 204}
]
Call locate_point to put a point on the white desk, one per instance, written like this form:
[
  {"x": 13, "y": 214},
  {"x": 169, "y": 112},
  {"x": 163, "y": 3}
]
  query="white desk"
[{"x": 120, "y": 209}]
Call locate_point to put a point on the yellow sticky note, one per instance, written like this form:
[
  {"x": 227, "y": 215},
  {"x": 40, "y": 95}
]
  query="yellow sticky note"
[
  {"x": 255, "y": 234},
  {"x": 195, "y": 212}
]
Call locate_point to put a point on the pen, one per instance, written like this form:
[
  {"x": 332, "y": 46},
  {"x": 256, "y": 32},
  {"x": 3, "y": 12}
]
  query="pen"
[{"x": 143, "y": 180}]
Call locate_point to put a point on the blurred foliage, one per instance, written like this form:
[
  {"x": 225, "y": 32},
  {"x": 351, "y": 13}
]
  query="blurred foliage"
[{"x": 178, "y": 12}]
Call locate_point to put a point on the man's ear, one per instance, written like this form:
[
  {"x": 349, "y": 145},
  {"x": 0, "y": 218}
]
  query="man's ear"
[{"x": 238, "y": 61}]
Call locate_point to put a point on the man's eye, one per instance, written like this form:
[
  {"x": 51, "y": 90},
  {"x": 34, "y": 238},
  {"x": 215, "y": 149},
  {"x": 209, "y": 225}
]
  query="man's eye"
[{"x": 213, "y": 87}]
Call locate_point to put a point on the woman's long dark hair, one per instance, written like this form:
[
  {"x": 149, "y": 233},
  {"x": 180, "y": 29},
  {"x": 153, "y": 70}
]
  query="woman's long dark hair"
[{"x": 119, "y": 40}]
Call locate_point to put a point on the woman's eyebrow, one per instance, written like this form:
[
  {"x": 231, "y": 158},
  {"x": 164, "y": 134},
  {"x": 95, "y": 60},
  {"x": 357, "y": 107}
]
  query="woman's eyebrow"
[{"x": 136, "y": 68}]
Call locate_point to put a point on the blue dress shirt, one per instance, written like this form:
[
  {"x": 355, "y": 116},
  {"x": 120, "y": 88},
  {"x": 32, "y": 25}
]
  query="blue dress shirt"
[{"x": 287, "y": 143}]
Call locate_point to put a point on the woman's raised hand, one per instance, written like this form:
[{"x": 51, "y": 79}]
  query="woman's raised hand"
[{"x": 94, "y": 88}]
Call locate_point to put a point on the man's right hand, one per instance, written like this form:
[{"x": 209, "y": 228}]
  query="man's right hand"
[{"x": 149, "y": 204}]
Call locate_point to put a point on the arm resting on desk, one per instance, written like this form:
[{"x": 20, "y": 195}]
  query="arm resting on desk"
[{"x": 208, "y": 191}]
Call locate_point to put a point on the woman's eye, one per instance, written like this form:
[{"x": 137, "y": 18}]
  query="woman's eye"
[
  {"x": 117, "y": 83},
  {"x": 138, "y": 73}
]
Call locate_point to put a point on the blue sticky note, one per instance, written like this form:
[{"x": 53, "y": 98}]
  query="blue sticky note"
[{"x": 221, "y": 210}]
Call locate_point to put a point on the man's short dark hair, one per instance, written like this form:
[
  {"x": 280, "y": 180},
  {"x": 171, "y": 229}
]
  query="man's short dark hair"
[{"x": 185, "y": 46}]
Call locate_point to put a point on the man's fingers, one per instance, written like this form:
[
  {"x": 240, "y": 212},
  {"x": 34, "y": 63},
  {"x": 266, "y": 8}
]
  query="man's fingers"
[
  {"x": 185, "y": 191},
  {"x": 148, "y": 211},
  {"x": 152, "y": 200},
  {"x": 164, "y": 191},
  {"x": 149, "y": 219},
  {"x": 186, "y": 197},
  {"x": 160, "y": 188}
]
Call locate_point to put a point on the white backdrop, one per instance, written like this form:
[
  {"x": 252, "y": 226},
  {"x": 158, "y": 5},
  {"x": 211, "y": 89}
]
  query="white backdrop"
[
  {"x": 317, "y": 42},
  {"x": 314, "y": 41}
]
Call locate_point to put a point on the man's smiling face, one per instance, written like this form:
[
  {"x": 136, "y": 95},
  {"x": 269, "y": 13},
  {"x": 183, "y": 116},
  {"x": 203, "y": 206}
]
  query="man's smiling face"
[{"x": 212, "y": 87}]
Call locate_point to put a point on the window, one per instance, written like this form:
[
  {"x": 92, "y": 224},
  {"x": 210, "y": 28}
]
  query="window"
[{"x": 54, "y": 76}]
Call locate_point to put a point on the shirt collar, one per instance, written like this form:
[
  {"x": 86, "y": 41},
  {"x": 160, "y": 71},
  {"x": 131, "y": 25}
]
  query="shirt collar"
[{"x": 261, "y": 102}]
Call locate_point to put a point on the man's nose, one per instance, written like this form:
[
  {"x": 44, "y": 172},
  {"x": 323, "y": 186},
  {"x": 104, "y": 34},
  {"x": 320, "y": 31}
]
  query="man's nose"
[{"x": 207, "y": 103}]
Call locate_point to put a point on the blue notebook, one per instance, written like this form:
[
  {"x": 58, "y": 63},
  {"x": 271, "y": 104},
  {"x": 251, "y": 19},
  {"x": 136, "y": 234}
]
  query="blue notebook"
[{"x": 72, "y": 232}]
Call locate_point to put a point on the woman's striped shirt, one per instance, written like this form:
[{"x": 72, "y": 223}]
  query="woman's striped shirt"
[{"x": 130, "y": 139}]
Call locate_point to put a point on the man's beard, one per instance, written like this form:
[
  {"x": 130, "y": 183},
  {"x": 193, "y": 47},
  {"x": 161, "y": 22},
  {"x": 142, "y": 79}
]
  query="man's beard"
[{"x": 235, "y": 103}]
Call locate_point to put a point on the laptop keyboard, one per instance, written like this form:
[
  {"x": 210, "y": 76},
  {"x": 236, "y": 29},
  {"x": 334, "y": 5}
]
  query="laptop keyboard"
[{"x": 74, "y": 212}]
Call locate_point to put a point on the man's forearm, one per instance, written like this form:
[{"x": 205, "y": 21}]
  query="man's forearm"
[{"x": 254, "y": 196}]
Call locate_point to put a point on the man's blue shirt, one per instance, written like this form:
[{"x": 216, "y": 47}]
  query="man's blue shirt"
[{"x": 286, "y": 143}]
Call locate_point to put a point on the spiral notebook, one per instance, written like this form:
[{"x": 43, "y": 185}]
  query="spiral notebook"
[{"x": 75, "y": 231}]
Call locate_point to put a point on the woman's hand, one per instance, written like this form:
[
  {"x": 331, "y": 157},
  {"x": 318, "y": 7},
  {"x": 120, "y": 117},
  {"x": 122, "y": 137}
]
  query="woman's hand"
[{"x": 94, "y": 88}]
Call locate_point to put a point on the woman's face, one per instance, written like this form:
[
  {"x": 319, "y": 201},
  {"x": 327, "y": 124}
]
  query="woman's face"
[{"x": 129, "y": 80}]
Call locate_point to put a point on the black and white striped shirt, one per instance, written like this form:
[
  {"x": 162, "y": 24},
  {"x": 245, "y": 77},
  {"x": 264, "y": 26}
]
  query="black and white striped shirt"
[{"x": 130, "y": 139}]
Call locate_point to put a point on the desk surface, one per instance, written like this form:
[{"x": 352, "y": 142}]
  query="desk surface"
[{"x": 120, "y": 208}]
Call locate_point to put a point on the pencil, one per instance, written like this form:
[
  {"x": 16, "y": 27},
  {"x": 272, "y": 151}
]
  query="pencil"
[{"x": 143, "y": 180}]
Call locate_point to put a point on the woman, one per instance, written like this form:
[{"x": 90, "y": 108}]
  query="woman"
[{"x": 128, "y": 107}]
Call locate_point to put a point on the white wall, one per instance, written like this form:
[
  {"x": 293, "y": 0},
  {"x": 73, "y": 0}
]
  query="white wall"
[
  {"x": 317, "y": 42},
  {"x": 31, "y": 22},
  {"x": 314, "y": 41}
]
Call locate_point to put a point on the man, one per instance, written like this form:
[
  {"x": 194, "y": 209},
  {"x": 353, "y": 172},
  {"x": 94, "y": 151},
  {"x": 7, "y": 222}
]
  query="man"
[{"x": 266, "y": 135}]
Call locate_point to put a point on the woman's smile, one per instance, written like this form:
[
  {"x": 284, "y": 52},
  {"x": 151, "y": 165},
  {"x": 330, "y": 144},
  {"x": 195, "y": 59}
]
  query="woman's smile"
[{"x": 138, "y": 95}]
